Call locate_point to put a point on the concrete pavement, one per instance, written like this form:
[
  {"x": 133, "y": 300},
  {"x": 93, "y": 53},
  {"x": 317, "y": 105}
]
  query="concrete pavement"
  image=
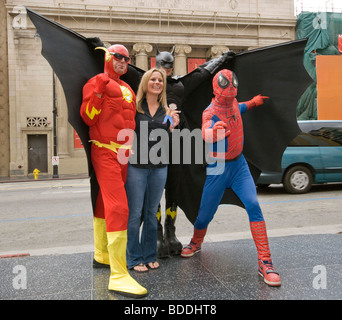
[
  {"x": 308, "y": 259},
  {"x": 310, "y": 267}
]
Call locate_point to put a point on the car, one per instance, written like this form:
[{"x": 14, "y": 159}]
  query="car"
[{"x": 313, "y": 157}]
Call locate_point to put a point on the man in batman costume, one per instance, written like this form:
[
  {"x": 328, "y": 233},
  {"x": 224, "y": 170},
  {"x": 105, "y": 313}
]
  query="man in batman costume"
[
  {"x": 222, "y": 128},
  {"x": 276, "y": 71},
  {"x": 178, "y": 88}
]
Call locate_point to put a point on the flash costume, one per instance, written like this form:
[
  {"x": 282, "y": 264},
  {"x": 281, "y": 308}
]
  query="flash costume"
[
  {"x": 108, "y": 108},
  {"x": 222, "y": 123}
]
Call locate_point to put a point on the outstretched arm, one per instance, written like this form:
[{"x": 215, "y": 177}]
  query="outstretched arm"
[
  {"x": 213, "y": 65},
  {"x": 254, "y": 102},
  {"x": 205, "y": 71}
]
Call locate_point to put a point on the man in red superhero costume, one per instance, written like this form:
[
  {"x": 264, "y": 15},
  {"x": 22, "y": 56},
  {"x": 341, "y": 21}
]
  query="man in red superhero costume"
[
  {"x": 222, "y": 128},
  {"x": 108, "y": 108}
]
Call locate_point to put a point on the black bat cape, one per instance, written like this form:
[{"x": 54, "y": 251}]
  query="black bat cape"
[
  {"x": 276, "y": 71},
  {"x": 74, "y": 60}
]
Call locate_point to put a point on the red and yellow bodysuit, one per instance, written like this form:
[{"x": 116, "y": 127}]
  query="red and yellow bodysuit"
[
  {"x": 106, "y": 117},
  {"x": 108, "y": 108}
]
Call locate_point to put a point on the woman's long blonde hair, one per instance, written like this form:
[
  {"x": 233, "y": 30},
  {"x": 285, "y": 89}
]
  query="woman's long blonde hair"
[{"x": 141, "y": 94}]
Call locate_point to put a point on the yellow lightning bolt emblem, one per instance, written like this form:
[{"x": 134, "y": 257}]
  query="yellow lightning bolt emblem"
[
  {"x": 94, "y": 112},
  {"x": 126, "y": 94}
]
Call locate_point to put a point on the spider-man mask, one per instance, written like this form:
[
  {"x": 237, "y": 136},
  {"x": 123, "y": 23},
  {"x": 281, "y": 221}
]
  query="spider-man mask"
[{"x": 225, "y": 85}]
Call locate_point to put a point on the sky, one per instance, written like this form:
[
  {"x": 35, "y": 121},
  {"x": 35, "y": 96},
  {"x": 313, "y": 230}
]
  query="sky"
[{"x": 318, "y": 5}]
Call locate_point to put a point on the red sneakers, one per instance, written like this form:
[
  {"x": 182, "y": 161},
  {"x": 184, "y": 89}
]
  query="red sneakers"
[
  {"x": 266, "y": 270},
  {"x": 191, "y": 249},
  {"x": 195, "y": 244}
]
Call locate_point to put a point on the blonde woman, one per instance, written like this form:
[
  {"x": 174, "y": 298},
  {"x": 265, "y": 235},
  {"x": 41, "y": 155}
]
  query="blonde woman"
[{"x": 147, "y": 169}]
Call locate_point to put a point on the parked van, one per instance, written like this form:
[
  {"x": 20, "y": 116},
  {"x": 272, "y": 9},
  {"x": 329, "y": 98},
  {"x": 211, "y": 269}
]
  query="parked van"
[{"x": 313, "y": 157}]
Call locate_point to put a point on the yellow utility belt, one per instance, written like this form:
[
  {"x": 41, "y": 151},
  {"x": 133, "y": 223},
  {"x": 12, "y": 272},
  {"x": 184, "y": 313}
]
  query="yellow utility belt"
[{"x": 112, "y": 146}]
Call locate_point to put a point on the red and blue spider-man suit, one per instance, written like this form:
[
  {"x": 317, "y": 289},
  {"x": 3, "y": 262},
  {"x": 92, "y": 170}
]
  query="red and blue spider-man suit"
[
  {"x": 108, "y": 108},
  {"x": 222, "y": 128}
]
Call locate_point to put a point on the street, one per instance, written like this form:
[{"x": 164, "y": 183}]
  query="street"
[{"x": 55, "y": 216}]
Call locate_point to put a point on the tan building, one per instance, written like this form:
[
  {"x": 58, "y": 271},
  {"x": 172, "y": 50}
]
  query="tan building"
[{"x": 200, "y": 30}]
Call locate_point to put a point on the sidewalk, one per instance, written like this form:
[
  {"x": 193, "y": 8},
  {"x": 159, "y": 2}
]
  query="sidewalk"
[
  {"x": 43, "y": 177},
  {"x": 310, "y": 267}
]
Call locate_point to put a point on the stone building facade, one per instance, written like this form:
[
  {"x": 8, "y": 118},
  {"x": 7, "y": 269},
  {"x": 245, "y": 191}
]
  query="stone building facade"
[{"x": 199, "y": 30}]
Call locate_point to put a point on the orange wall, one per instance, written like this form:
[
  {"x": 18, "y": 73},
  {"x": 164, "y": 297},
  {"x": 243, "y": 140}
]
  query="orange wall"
[
  {"x": 194, "y": 63},
  {"x": 329, "y": 87}
]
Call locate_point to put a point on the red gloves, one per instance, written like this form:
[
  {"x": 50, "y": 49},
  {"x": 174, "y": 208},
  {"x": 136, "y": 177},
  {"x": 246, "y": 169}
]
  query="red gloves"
[
  {"x": 101, "y": 81},
  {"x": 256, "y": 101},
  {"x": 216, "y": 132}
]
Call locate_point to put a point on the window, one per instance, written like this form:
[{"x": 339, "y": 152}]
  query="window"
[{"x": 319, "y": 133}]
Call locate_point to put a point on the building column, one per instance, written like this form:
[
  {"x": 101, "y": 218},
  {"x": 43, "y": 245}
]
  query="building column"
[
  {"x": 63, "y": 135},
  {"x": 216, "y": 51},
  {"x": 4, "y": 102},
  {"x": 142, "y": 50},
  {"x": 180, "y": 64}
]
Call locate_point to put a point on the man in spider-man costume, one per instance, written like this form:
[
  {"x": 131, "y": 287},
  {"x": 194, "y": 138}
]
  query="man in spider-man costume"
[
  {"x": 108, "y": 108},
  {"x": 222, "y": 128}
]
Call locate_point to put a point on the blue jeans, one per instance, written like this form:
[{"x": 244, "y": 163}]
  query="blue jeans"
[{"x": 144, "y": 188}]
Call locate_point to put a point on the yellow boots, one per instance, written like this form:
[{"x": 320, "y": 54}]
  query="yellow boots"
[
  {"x": 101, "y": 256},
  {"x": 114, "y": 254},
  {"x": 120, "y": 280}
]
